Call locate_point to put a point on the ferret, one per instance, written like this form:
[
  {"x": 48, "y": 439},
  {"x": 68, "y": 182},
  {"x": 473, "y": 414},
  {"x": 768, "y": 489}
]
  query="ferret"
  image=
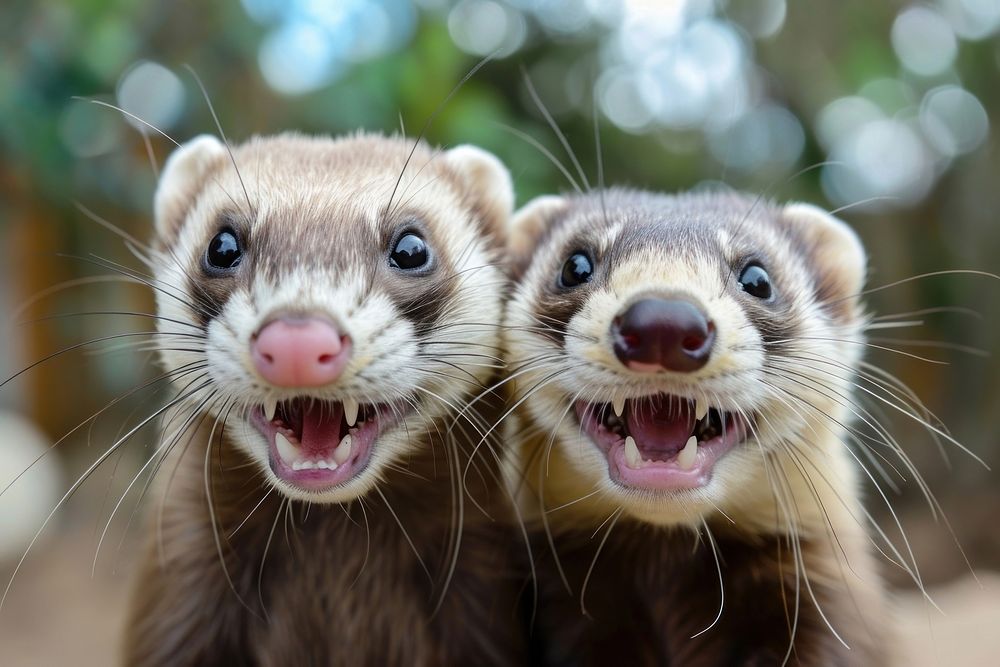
[
  {"x": 328, "y": 308},
  {"x": 683, "y": 366}
]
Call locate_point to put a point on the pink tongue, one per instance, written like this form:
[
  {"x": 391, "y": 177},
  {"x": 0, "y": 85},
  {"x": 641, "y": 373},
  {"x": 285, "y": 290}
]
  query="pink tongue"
[
  {"x": 661, "y": 428},
  {"x": 321, "y": 427}
]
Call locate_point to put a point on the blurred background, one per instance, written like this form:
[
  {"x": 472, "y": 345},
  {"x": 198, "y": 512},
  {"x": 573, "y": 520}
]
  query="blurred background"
[{"x": 887, "y": 112}]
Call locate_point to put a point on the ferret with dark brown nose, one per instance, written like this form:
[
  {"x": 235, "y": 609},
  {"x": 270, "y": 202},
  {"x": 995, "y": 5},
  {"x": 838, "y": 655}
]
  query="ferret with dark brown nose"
[
  {"x": 683, "y": 368},
  {"x": 336, "y": 303}
]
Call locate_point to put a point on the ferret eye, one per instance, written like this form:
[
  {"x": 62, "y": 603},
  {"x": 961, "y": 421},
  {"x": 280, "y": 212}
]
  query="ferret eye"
[
  {"x": 577, "y": 270},
  {"x": 410, "y": 252},
  {"x": 224, "y": 251},
  {"x": 755, "y": 281}
]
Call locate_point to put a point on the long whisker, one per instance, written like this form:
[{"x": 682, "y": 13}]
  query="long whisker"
[
  {"x": 722, "y": 588},
  {"x": 214, "y": 520},
  {"x": 600, "y": 547},
  {"x": 80, "y": 480},
  {"x": 114, "y": 229},
  {"x": 921, "y": 276},
  {"x": 555, "y": 126},
  {"x": 165, "y": 447},
  {"x": 406, "y": 535},
  {"x": 263, "y": 559},
  {"x": 225, "y": 141},
  {"x": 427, "y": 124},
  {"x": 535, "y": 143},
  {"x": 130, "y": 115},
  {"x": 177, "y": 373}
]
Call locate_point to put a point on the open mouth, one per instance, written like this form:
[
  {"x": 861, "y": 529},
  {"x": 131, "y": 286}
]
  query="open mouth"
[
  {"x": 317, "y": 444},
  {"x": 661, "y": 442}
]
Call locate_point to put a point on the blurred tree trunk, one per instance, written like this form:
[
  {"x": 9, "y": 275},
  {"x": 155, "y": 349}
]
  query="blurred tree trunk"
[{"x": 32, "y": 240}]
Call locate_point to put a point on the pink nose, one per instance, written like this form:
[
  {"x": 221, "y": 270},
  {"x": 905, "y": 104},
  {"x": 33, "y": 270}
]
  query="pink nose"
[{"x": 300, "y": 352}]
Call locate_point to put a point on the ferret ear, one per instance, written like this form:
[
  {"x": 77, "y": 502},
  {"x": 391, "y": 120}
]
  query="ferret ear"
[
  {"x": 527, "y": 227},
  {"x": 183, "y": 175},
  {"x": 834, "y": 249},
  {"x": 487, "y": 182}
]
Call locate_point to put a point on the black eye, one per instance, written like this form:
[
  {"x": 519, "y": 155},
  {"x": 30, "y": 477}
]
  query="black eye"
[
  {"x": 756, "y": 282},
  {"x": 410, "y": 252},
  {"x": 577, "y": 270},
  {"x": 224, "y": 251}
]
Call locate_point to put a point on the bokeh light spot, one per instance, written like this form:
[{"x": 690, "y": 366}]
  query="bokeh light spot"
[
  {"x": 840, "y": 118},
  {"x": 88, "y": 130},
  {"x": 881, "y": 159},
  {"x": 153, "y": 93},
  {"x": 953, "y": 120},
  {"x": 972, "y": 19},
  {"x": 923, "y": 40},
  {"x": 760, "y": 18},
  {"x": 768, "y": 137},
  {"x": 482, "y": 27},
  {"x": 620, "y": 97}
]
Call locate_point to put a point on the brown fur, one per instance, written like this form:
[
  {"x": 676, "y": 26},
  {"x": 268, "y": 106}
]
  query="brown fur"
[
  {"x": 352, "y": 574},
  {"x": 652, "y": 588},
  {"x": 783, "y": 508},
  {"x": 339, "y": 585}
]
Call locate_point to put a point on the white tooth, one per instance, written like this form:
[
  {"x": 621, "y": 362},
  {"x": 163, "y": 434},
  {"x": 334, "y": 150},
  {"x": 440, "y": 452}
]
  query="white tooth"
[
  {"x": 632, "y": 457},
  {"x": 308, "y": 465},
  {"x": 700, "y": 409},
  {"x": 297, "y": 465},
  {"x": 286, "y": 450},
  {"x": 270, "y": 405},
  {"x": 619, "y": 405},
  {"x": 343, "y": 450},
  {"x": 321, "y": 465},
  {"x": 687, "y": 456},
  {"x": 331, "y": 465},
  {"x": 350, "y": 411}
]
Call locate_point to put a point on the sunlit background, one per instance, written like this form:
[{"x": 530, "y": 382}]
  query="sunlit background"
[{"x": 886, "y": 112}]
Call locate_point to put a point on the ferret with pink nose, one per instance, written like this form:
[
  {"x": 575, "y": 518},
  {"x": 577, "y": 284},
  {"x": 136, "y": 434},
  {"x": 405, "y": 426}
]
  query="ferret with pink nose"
[
  {"x": 334, "y": 305},
  {"x": 680, "y": 446}
]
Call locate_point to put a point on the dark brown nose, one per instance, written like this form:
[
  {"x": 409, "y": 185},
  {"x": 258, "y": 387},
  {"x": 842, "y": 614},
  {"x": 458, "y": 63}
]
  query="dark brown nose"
[{"x": 656, "y": 334}]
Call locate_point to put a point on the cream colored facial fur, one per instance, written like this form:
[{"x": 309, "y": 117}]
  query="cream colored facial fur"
[
  {"x": 796, "y": 466},
  {"x": 317, "y": 215}
]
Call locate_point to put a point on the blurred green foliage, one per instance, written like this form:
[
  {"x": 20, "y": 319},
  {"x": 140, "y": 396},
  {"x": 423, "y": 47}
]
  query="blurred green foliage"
[{"x": 52, "y": 52}]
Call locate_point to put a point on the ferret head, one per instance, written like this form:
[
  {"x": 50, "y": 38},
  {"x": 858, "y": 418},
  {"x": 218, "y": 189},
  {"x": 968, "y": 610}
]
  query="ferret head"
[
  {"x": 325, "y": 309},
  {"x": 673, "y": 349}
]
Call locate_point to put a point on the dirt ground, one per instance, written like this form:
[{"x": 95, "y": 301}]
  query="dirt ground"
[
  {"x": 965, "y": 632},
  {"x": 57, "y": 614}
]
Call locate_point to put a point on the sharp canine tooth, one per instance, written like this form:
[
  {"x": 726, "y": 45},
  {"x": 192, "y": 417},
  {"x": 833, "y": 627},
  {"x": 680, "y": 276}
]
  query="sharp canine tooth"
[
  {"x": 286, "y": 450},
  {"x": 350, "y": 411},
  {"x": 270, "y": 405},
  {"x": 619, "y": 405},
  {"x": 343, "y": 450},
  {"x": 687, "y": 456},
  {"x": 632, "y": 457},
  {"x": 700, "y": 409}
]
